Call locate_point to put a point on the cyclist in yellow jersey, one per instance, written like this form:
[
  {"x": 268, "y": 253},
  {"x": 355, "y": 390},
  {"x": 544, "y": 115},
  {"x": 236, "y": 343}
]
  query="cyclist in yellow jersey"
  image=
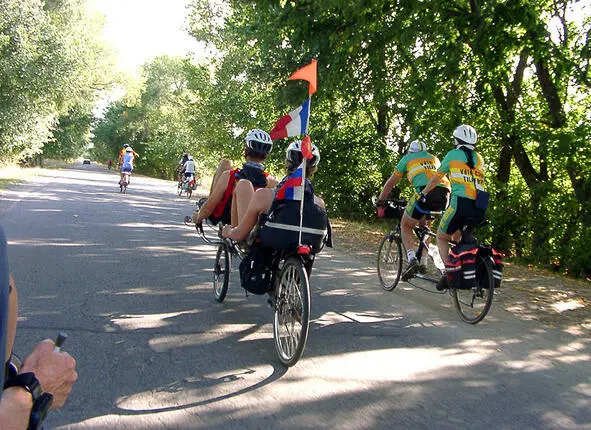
[
  {"x": 465, "y": 168},
  {"x": 420, "y": 167}
]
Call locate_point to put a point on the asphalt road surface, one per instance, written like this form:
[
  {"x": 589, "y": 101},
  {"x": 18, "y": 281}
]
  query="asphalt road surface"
[{"x": 131, "y": 286}]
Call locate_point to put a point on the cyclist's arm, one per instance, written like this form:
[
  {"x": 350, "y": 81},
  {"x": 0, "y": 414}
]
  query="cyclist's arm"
[
  {"x": 435, "y": 180},
  {"x": 15, "y": 408},
  {"x": 215, "y": 197},
  {"x": 390, "y": 183}
]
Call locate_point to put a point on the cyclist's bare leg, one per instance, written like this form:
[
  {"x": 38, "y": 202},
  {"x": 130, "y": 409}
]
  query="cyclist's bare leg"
[
  {"x": 243, "y": 193},
  {"x": 443, "y": 244},
  {"x": 260, "y": 203},
  {"x": 408, "y": 238},
  {"x": 223, "y": 165}
]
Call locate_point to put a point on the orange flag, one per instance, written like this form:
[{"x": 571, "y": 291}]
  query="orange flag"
[
  {"x": 307, "y": 73},
  {"x": 307, "y": 148}
]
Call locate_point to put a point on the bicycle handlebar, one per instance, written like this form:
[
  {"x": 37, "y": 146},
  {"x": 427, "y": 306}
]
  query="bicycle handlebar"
[{"x": 201, "y": 232}]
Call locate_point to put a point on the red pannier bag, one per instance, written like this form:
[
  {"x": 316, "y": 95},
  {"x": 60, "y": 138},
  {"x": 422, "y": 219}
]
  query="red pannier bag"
[
  {"x": 497, "y": 262},
  {"x": 461, "y": 267}
]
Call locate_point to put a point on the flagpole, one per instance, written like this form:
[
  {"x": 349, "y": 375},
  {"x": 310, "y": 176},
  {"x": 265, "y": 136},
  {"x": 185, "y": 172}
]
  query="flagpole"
[
  {"x": 305, "y": 161},
  {"x": 309, "y": 114},
  {"x": 304, "y": 173}
]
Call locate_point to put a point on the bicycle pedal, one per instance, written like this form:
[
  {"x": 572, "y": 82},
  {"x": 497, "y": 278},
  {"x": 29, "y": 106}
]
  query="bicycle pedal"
[{"x": 410, "y": 272}]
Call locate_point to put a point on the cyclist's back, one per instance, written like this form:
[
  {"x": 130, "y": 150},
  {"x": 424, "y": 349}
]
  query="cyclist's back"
[
  {"x": 465, "y": 168},
  {"x": 221, "y": 205},
  {"x": 465, "y": 181}
]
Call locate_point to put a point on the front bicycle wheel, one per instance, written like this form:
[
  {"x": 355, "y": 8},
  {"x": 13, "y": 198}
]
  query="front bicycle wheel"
[
  {"x": 390, "y": 261},
  {"x": 473, "y": 304},
  {"x": 221, "y": 272},
  {"x": 292, "y": 312}
]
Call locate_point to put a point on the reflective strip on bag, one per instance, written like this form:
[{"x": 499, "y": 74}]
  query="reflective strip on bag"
[{"x": 295, "y": 228}]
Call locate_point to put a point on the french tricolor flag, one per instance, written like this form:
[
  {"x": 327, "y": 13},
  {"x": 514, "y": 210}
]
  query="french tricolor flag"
[
  {"x": 294, "y": 123},
  {"x": 293, "y": 187}
]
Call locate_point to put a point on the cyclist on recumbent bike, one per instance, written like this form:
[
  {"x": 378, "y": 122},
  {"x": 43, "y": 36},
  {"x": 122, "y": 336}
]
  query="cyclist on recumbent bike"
[
  {"x": 227, "y": 181},
  {"x": 465, "y": 168},
  {"x": 420, "y": 167}
]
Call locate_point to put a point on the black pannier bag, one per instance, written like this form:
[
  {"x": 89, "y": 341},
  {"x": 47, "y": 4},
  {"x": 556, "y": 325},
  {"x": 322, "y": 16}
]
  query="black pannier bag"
[
  {"x": 393, "y": 212},
  {"x": 279, "y": 229},
  {"x": 255, "y": 270},
  {"x": 461, "y": 267},
  {"x": 497, "y": 260}
]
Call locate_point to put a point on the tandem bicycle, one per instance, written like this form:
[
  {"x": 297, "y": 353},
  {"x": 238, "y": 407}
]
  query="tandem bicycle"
[{"x": 472, "y": 304}]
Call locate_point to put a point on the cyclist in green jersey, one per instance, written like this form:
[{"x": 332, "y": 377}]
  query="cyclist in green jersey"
[
  {"x": 420, "y": 167},
  {"x": 465, "y": 168}
]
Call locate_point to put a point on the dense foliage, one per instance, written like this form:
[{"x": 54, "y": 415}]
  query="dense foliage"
[
  {"x": 52, "y": 68},
  {"x": 518, "y": 70},
  {"x": 389, "y": 72}
]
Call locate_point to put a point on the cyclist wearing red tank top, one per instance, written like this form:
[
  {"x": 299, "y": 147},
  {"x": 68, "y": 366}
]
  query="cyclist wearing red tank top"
[{"x": 227, "y": 182}]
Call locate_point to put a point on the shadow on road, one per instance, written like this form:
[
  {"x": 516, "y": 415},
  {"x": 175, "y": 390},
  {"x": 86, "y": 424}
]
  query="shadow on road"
[{"x": 132, "y": 286}]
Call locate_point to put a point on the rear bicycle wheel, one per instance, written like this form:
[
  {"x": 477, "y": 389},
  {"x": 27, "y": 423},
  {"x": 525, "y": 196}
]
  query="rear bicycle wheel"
[
  {"x": 390, "y": 261},
  {"x": 221, "y": 272},
  {"x": 473, "y": 305},
  {"x": 291, "y": 317}
]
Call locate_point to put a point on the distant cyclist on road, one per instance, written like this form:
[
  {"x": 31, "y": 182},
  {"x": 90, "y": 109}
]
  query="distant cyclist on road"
[
  {"x": 180, "y": 165},
  {"x": 465, "y": 168},
  {"x": 122, "y": 153},
  {"x": 420, "y": 167},
  {"x": 127, "y": 166},
  {"x": 188, "y": 169}
]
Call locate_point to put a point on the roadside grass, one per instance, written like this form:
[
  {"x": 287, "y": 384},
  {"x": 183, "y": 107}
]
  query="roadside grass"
[
  {"x": 366, "y": 236},
  {"x": 11, "y": 175}
]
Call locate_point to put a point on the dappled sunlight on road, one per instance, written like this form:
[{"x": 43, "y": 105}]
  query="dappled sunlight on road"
[
  {"x": 139, "y": 298},
  {"x": 331, "y": 318},
  {"x": 215, "y": 333},
  {"x": 195, "y": 390},
  {"x": 135, "y": 322},
  {"x": 403, "y": 364}
]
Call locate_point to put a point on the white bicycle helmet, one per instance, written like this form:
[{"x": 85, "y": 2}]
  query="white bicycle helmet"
[
  {"x": 466, "y": 135},
  {"x": 259, "y": 141},
  {"x": 293, "y": 155},
  {"x": 417, "y": 146}
]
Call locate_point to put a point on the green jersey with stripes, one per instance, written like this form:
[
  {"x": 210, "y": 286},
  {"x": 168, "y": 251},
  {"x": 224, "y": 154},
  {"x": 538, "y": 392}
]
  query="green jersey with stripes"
[
  {"x": 419, "y": 167},
  {"x": 464, "y": 181}
]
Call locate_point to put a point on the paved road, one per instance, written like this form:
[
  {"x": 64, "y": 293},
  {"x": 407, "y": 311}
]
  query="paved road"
[{"x": 130, "y": 284}]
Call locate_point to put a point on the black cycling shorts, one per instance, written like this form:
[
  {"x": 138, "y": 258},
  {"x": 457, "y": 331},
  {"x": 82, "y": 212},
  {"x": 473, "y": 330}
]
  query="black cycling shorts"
[
  {"x": 461, "y": 211},
  {"x": 437, "y": 201}
]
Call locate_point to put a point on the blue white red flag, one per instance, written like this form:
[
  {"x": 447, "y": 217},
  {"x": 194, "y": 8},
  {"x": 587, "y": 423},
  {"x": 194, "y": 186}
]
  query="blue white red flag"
[
  {"x": 293, "y": 186},
  {"x": 294, "y": 123}
]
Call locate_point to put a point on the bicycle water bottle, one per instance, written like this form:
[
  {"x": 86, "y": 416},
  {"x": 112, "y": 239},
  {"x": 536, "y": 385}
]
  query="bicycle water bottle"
[{"x": 434, "y": 253}]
